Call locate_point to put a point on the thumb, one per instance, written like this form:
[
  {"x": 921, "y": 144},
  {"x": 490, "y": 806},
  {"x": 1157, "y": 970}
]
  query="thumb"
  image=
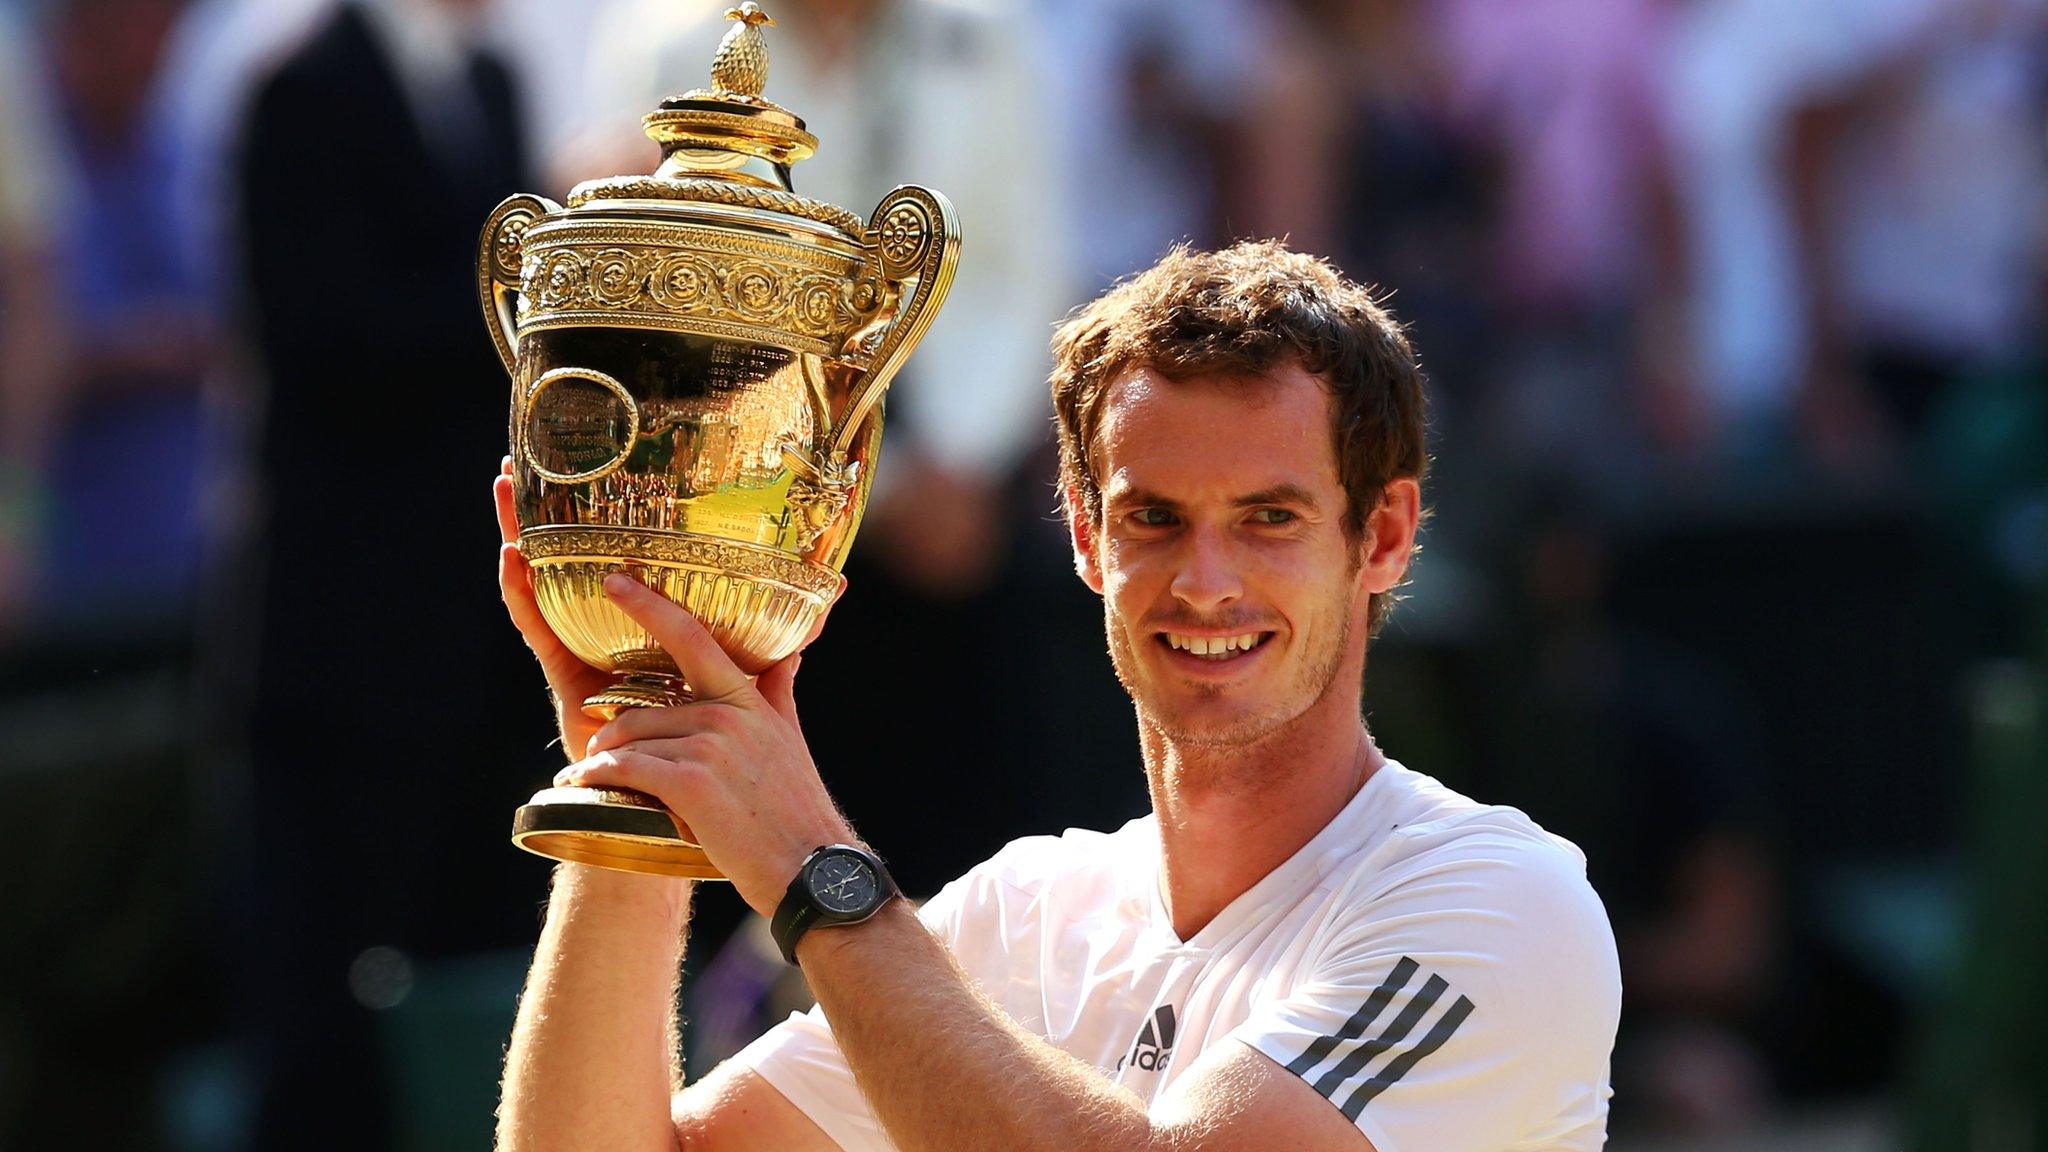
[{"x": 777, "y": 685}]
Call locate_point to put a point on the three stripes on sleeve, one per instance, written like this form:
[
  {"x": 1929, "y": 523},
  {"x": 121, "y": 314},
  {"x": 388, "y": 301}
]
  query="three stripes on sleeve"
[{"x": 1344, "y": 1065}]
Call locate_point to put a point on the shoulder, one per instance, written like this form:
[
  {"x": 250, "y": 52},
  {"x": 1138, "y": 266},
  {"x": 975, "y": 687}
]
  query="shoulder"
[
  {"x": 331, "y": 58},
  {"x": 1039, "y": 879},
  {"x": 1461, "y": 989},
  {"x": 1487, "y": 883},
  {"x": 1075, "y": 863},
  {"x": 1426, "y": 827}
]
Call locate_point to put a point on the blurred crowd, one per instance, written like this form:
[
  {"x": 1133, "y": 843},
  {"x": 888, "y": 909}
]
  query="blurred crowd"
[{"x": 1732, "y": 311}]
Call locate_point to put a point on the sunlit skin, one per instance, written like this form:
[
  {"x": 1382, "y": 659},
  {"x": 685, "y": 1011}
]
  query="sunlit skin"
[{"x": 1223, "y": 515}]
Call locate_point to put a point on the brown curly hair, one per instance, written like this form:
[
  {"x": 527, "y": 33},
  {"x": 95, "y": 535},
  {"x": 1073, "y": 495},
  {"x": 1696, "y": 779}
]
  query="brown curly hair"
[{"x": 1244, "y": 311}]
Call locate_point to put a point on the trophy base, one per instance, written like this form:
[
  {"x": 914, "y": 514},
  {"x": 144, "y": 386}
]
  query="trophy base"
[
  {"x": 614, "y": 828},
  {"x": 637, "y": 690}
]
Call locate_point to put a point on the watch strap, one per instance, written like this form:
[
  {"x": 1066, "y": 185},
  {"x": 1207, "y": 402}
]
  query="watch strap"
[
  {"x": 799, "y": 911},
  {"x": 795, "y": 915}
]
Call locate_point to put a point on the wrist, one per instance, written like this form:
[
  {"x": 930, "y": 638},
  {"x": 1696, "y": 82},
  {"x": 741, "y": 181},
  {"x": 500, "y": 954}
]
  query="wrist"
[
  {"x": 819, "y": 948},
  {"x": 665, "y": 898},
  {"x": 837, "y": 886}
]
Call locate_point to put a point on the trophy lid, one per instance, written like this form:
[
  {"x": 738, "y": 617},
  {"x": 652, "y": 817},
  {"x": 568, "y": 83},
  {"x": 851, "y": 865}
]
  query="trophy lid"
[{"x": 727, "y": 143}]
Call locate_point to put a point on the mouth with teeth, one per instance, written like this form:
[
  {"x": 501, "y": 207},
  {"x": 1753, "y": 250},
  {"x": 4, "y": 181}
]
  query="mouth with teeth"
[{"x": 1215, "y": 648}]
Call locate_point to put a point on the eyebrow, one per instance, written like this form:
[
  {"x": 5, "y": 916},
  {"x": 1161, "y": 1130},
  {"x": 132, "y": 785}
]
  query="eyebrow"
[
  {"x": 1277, "y": 494},
  {"x": 1264, "y": 497}
]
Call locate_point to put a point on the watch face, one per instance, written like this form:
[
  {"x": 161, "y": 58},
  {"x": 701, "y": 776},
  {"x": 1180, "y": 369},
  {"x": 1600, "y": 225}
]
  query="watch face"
[{"x": 843, "y": 884}]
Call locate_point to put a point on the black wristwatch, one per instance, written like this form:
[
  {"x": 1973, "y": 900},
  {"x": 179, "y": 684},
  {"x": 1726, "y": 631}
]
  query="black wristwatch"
[{"x": 838, "y": 884}]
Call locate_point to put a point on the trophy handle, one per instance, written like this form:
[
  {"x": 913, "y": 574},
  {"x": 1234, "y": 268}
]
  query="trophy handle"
[
  {"x": 913, "y": 239},
  {"x": 497, "y": 269}
]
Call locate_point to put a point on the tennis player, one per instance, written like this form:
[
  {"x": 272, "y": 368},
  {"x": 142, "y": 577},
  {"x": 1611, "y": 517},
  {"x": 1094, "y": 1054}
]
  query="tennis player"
[{"x": 1305, "y": 945}]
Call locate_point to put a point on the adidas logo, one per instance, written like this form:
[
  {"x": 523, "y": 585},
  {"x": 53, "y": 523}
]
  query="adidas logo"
[{"x": 1155, "y": 1042}]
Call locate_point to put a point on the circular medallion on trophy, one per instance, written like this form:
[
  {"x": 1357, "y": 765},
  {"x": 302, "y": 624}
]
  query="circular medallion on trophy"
[{"x": 580, "y": 425}]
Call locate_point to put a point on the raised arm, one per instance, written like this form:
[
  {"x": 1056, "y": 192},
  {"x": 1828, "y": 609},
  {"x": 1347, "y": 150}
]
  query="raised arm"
[{"x": 594, "y": 1061}]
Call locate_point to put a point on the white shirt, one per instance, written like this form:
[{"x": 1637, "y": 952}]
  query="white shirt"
[{"x": 1439, "y": 969}]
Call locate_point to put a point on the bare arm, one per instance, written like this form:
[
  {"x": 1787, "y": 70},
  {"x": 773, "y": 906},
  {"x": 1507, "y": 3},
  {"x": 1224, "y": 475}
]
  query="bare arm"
[
  {"x": 593, "y": 1059},
  {"x": 944, "y": 1069}
]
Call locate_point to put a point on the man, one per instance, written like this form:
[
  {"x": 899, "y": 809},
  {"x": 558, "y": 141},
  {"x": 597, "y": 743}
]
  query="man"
[
  {"x": 357, "y": 260},
  {"x": 1305, "y": 946}
]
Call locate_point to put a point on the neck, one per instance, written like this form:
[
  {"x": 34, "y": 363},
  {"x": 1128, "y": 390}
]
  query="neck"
[{"x": 1228, "y": 816}]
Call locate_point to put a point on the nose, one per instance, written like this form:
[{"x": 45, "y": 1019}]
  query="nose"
[{"x": 1207, "y": 579}]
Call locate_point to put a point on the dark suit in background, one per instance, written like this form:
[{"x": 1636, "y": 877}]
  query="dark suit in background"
[{"x": 396, "y": 720}]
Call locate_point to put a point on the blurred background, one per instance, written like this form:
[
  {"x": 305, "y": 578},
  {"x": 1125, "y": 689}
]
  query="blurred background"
[{"x": 1732, "y": 311}]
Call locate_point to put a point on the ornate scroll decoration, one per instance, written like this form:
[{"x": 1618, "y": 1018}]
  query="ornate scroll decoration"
[
  {"x": 727, "y": 557},
  {"x": 913, "y": 241},
  {"x": 505, "y": 246},
  {"x": 902, "y": 235},
  {"x": 499, "y": 260},
  {"x": 695, "y": 280}
]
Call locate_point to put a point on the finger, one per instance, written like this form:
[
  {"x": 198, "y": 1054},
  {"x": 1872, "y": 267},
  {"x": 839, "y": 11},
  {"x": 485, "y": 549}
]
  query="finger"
[
  {"x": 505, "y": 465},
  {"x": 508, "y": 513},
  {"x": 706, "y": 752},
  {"x": 777, "y": 685},
  {"x": 711, "y": 673},
  {"x": 515, "y": 586},
  {"x": 668, "y": 780},
  {"x": 639, "y": 725}
]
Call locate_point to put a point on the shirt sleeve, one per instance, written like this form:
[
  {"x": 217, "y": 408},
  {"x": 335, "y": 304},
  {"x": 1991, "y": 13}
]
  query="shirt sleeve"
[
  {"x": 1469, "y": 1006},
  {"x": 802, "y": 1061}
]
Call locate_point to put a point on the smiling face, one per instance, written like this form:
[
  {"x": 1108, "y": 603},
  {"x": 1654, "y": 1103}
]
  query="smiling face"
[{"x": 1235, "y": 600}]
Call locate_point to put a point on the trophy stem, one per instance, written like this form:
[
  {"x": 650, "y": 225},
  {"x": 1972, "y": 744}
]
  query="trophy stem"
[
  {"x": 616, "y": 828},
  {"x": 638, "y": 689}
]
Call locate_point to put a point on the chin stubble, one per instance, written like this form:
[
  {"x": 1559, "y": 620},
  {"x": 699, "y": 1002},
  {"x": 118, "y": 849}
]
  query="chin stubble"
[{"x": 1317, "y": 679}]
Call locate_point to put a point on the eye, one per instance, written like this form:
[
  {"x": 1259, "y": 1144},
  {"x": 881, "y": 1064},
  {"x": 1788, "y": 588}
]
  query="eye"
[
  {"x": 1152, "y": 517},
  {"x": 1272, "y": 516}
]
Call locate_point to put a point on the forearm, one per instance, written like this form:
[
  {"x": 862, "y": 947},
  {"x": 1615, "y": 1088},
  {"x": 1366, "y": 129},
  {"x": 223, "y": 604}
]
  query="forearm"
[
  {"x": 593, "y": 1061},
  {"x": 946, "y": 1070}
]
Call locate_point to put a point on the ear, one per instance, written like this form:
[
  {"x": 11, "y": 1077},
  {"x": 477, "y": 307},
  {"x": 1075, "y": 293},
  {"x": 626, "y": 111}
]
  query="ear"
[
  {"x": 1390, "y": 535},
  {"x": 1083, "y": 531}
]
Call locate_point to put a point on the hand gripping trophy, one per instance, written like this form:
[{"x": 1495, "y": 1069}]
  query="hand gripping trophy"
[{"x": 698, "y": 361}]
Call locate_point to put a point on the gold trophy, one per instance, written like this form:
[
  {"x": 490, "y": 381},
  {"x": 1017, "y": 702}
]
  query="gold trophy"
[{"x": 698, "y": 360}]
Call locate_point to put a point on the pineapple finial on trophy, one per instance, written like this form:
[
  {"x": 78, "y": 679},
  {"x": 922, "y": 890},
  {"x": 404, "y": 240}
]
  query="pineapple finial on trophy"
[{"x": 741, "y": 66}]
